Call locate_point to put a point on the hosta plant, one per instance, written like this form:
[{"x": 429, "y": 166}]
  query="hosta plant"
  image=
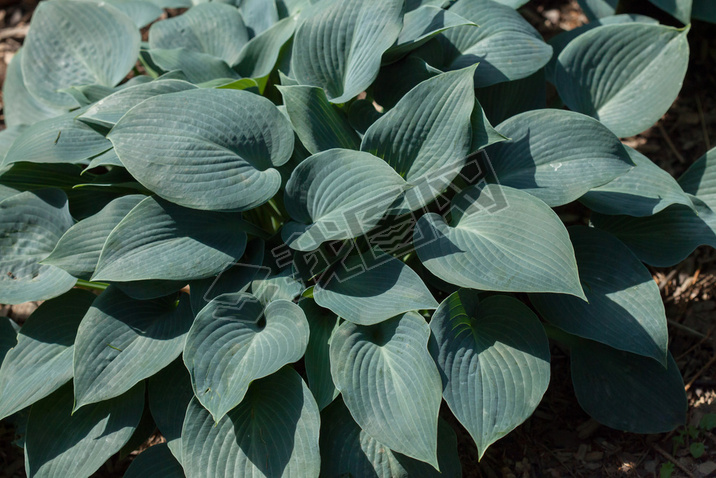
[{"x": 284, "y": 233}]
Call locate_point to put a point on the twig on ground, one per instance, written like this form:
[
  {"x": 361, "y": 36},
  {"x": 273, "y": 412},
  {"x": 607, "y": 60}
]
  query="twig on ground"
[
  {"x": 679, "y": 326},
  {"x": 670, "y": 143},
  {"x": 673, "y": 460},
  {"x": 700, "y": 372},
  {"x": 703, "y": 123},
  {"x": 16, "y": 32}
]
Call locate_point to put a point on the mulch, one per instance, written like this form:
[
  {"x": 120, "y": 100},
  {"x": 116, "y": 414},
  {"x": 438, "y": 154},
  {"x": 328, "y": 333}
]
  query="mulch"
[{"x": 560, "y": 440}]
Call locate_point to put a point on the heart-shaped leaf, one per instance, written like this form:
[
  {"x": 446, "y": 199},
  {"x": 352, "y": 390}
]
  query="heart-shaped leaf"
[
  {"x": 78, "y": 250},
  {"x": 339, "y": 47},
  {"x": 77, "y": 43},
  {"x": 61, "y": 139},
  {"x": 589, "y": 155},
  {"x": 491, "y": 244},
  {"x": 235, "y": 340},
  {"x": 169, "y": 395},
  {"x": 107, "y": 111},
  {"x": 60, "y": 443},
  {"x": 273, "y": 432},
  {"x": 284, "y": 285},
  {"x": 390, "y": 384},
  {"x": 493, "y": 355},
  {"x": 617, "y": 389},
  {"x": 19, "y": 106},
  {"x": 234, "y": 138},
  {"x": 155, "y": 462},
  {"x": 31, "y": 223},
  {"x": 179, "y": 244},
  {"x": 666, "y": 238},
  {"x": 337, "y": 194},
  {"x": 372, "y": 287},
  {"x": 624, "y": 311},
  {"x": 643, "y": 191},
  {"x": 322, "y": 324},
  {"x": 431, "y": 152},
  {"x": 41, "y": 362},
  {"x": 591, "y": 78},
  {"x": 349, "y": 451},
  {"x": 319, "y": 124},
  {"x": 121, "y": 341},
  {"x": 506, "y": 47},
  {"x": 213, "y": 28}
]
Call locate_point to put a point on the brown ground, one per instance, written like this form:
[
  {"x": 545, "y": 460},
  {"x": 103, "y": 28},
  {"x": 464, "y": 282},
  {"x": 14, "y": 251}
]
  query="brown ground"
[{"x": 560, "y": 440}]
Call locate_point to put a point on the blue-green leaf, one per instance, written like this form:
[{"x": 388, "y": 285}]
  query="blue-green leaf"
[
  {"x": 390, "y": 384},
  {"x": 41, "y": 362},
  {"x": 160, "y": 240},
  {"x": 155, "y": 462},
  {"x": 337, "y": 194},
  {"x": 339, "y": 47},
  {"x": 493, "y": 355},
  {"x": 679, "y": 9},
  {"x": 491, "y": 243},
  {"x": 273, "y": 432},
  {"x": 624, "y": 311},
  {"x": 75, "y": 43},
  {"x": 700, "y": 179},
  {"x": 372, "y": 287},
  {"x": 322, "y": 324},
  {"x": 31, "y": 223},
  {"x": 60, "y": 444},
  {"x": 235, "y": 340},
  {"x": 589, "y": 155},
  {"x": 595, "y": 9},
  {"x": 122, "y": 341},
  {"x": 206, "y": 148},
  {"x": 590, "y": 76}
]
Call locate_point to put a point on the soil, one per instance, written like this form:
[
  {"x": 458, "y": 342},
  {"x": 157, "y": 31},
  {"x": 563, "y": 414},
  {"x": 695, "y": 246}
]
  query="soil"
[{"x": 560, "y": 440}]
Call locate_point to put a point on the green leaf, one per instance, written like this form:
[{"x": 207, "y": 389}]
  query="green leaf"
[
  {"x": 491, "y": 244},
  {"x": 236, "y": 278},
  {"x": 284, "y": 285},
  {"x": 319, "y": 124},
  {"x": 196, "y": 67},
  {"x": 261, "y": 53},
  {"x": 624, "y": 311},
  {"x": 150, "y": 289},
  {"x": 494, "y": 357},
  {"x": 77, "y": 43},
  {"x": 679, "y": 9},
  {"x": 337, "y": 194},
  {"x": 61, "y": 139},
  {"x": 666, "y": 238},
  {"x": 589, "y": 155},
  {"x": 512, "y": 3},
  {"x": 169, "y": 395},
  {"x": 155, "y": 462},
  {"x": 259, "y": 15},
  {"x": 421, "y": 25},
  {"x": 31, "y": 223},
  {"x": 390, "y": 384},
  {"x": 107, "y": 111},
  {"x": 108, "y": 158},
  {"x": 273, "y": 432},
  {"x": 142, "y": 13},
  {"x": 349, "y": 451},
  {"x": 617, "y": 389},
  {"x": 506, "y": 47},
  {"x": 430, "y": 153},
  {"x": 215, "y": 29},
  {"x": 397, "y": 79},
  {"x": 41, "y": 362},
  {"x": 509, "y": 98},
  {"x": 7, "y": 138},
  {"x": 122, "y": 341},
  {"x": 590, "y": 76},
  {"x": 60, "y": 444},
  {"x": 595, "y": 9},
  {"x": 697, "y": 450},
  {"x": 700, "y": 179},
  {"x": 233, "y": 137},
  {"x": 235, "y": 340},
  {"x": 643, "y": 191},
  {"x": 560, "y": 42},
  {"x": 372, "y": 287},
  {"x": 322, "y": 324},
  {"x": 160, "y": 240},
  {"x": 78, "y": 250},
  {"x": 339, "y": 47},
  {"x": 19, "y": 106}
]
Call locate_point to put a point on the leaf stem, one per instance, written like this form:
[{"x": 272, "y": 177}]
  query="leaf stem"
[{"x": 85, "y": 284}]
